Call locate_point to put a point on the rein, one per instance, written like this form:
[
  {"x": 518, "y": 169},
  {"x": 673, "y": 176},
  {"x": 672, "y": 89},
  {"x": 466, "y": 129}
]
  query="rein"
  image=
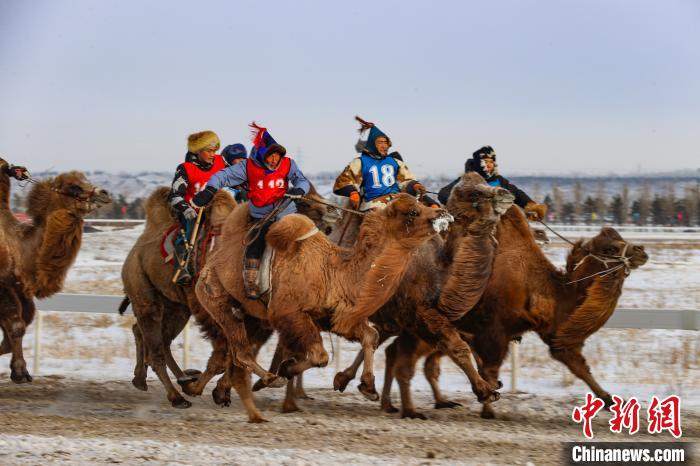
[{"x": 326, "y": 203}]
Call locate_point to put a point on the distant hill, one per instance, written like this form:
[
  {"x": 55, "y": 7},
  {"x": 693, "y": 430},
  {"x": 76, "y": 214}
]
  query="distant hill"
[{"x": 141, "y": 184}]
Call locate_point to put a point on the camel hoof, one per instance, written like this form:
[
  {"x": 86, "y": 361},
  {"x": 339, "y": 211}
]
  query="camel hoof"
[
  {"x": 278, "y": 382},
  {"x": 413, "y": 415},
  {"x": 191, "y": 375},
  {"x": 608, "y": 402},
  {"x": 368, "y": 392},
  {"x": 488, "y": 396},
  {"x": 341, "y": 381},
  {"x": 257, "y": 420},
  {"x": 447, "y": 404},
  {"x": 389, "y": 408},
  {"x": 487, "y": 413},
  {"x": 181, "y": 404},
  {"x": 221, "y": 400},
  {"x": 290, "y": 408},
  {"x": 499, "y": 385},
  {"x": 259, "y": 385},
  {"x": 22, "y": 377},
  {"x": 140, "y": 383}
]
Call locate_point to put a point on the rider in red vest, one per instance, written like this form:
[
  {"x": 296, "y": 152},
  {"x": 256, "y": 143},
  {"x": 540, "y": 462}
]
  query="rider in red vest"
[
  {"x": 191, "y": 176},
  {"x": 267, "y": 176}
]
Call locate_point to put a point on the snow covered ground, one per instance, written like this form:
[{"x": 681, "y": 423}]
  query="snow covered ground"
[{"x": 81, "y": 407}]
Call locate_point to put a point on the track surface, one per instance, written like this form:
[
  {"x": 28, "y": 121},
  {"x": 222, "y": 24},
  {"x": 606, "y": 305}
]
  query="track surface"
[{"x": 56, "y": 420}]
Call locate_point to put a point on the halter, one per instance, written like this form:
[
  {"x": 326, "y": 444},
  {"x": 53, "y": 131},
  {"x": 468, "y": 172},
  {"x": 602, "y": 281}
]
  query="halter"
[
  {"x": 622, "y": 261},
  {"x": 78, "y": 197}
]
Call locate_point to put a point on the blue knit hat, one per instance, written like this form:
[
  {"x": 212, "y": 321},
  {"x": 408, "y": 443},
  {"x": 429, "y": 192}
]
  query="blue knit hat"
[
  {"x": 233, "y": 152},
  {"x": 370, "y": 145}
]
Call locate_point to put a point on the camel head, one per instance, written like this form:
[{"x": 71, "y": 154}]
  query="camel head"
[
  {"x": 605, "y": 251},
  {"x": 70, "y": 191},
  {"x": 411, "y": 223},
  {"x": 325, "y": 217},
  {"x": 477, "y": 204}
]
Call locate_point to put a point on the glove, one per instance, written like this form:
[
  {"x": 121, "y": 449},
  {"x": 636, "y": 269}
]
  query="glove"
[
  {"x": 429, "y": 201},
  {"x": 17, "y": 172},
  {"x": 535, "y": 211},
  {"x": 419, "y": 188},
  {"x": 295, "y": 192},
  {"x": 203, "y": 197},
  {"x": 189, "y": 214},
  {"x": 354, "y": 199}
]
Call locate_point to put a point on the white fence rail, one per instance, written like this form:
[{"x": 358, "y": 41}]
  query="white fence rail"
[{"x": 674, "y": 319}]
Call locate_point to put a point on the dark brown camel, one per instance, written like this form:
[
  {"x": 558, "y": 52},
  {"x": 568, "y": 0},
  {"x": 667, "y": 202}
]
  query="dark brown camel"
[
  {"x": 162, "y": 309},
  {"x": 38, "y": 255},
  {"x": 526, "y": 292}
]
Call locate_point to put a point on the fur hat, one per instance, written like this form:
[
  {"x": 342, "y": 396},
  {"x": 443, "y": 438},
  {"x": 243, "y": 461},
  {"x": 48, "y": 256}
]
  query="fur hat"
[
  {"x": 477, "y": 164},
  {"x": 203, "y": 140}
]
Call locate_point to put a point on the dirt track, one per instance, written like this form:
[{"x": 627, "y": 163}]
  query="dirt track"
[{"x": 57, "y": 420}]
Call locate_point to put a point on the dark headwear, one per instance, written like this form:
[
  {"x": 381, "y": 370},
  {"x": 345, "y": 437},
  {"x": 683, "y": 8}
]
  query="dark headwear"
[
  {"x": 369, "y": 147},
  {"x": 476, "y": 163},
  {"x": 233, "y": 152},
  {"x": 262, "y": 141}
]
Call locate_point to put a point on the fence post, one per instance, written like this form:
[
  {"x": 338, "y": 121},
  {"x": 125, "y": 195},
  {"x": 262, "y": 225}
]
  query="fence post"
[
  {"x": 514, "y": 366},
  {"x": 37, "y": 342},
  {"x": 186, "y": 346}
]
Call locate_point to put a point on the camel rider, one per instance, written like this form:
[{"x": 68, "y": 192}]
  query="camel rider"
[
  {"x": 14, "y": 171},
  {"x": 234, "y": 154},
  {"x": 267, "y": 176},
  {"x": 483, "y": 162},
  {"x": 372, "y": 179},
  {"x": 201, "y": 162}
]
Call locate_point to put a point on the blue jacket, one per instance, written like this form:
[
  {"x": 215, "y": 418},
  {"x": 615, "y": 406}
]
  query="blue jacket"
[{"x": 237, "y": 176}]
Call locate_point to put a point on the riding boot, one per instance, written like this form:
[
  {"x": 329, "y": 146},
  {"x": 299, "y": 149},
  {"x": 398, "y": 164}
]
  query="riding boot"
[
  {"x": 185, "y": 277},
  {"x": 250, "y": 277}
]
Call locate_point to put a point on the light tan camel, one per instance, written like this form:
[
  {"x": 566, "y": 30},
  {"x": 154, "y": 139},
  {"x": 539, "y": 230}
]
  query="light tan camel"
[{"x": 313, "y": 277}]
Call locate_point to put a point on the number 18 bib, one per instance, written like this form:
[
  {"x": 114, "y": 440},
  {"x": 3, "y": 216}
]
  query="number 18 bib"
[{"x": 379, "y": 176}]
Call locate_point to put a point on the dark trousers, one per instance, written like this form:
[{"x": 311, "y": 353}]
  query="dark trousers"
[{"x": 257, "y": 247}]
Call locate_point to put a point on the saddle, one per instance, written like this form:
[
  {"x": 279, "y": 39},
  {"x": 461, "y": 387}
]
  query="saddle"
[{"x": 206, "y": 239}]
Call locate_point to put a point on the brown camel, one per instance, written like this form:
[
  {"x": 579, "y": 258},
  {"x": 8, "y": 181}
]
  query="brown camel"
[
  {"x": 526, "y": 292},
  {"x": 38, "y": 255},
  {"x": 340, "y": 278},
  {"x": 449, "y": 275},
  {"x": 162, "y": 309}
]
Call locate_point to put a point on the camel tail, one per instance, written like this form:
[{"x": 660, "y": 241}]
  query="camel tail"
[
  {"x": 285, "y": 234},
  {"x": 124, "y": 304}
]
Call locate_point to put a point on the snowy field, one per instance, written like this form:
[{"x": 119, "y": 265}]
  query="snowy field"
[{"x": 81, "y": 407}]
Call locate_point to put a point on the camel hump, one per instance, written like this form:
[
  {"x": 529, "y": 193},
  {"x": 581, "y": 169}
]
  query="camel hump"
[
  {"x": 284, "y": 233},
  {"x": 157, "y": 207}
]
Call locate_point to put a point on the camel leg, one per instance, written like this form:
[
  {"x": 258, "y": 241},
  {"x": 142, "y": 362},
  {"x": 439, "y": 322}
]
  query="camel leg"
[
  {"x": 14, "y": 327},
  {"x": 173, "y": 325},
  {"x": 299, "y": 391},
  {"x": 140, "y": 369},
  {"x": 343, "y": 378},
  {"x": 300, "y": 335},
  {"x": 222, "y": 392},
  {"x": 450, "y": 342},
  {"x": 219, "y": 359},
  {"x": 5, "y": 345},
  {"x": 574, "y": 360},
  {"x": 150, "y": 324},
  {"x": 290, "y": 404},
  {"x": 277, "y": 359},
  {"x": 404, "y": 369},
  {"x": 219, "y": 305},
  {"x": 369, "y": 339},
  {"x": 491, "y": 354},
  {"x": 241, "y": 383},
  {"x": 431, "y": 369},
  {"x": 391, "y": 353}
]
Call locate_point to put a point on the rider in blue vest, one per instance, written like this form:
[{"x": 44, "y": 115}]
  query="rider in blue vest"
[
  {"x": 483, "y": 162},
  {"x": 373, "y": 178}
]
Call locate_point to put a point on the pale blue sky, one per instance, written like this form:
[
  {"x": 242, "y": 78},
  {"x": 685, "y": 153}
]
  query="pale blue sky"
[{"x": 555, "y": 86}]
